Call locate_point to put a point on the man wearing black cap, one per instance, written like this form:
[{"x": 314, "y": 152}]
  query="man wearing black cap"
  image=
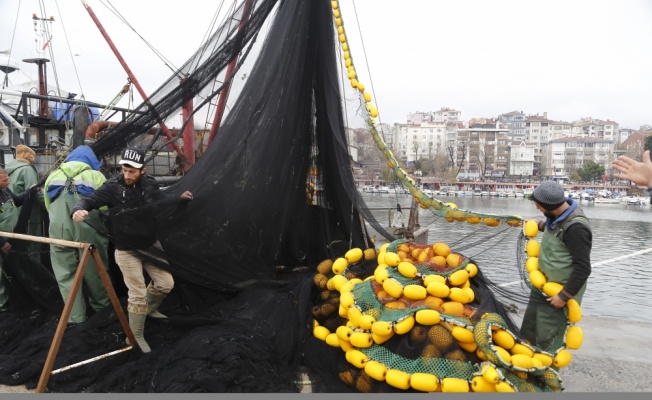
[
  {"x": 565, "y": 258},
  {"x": 130, "y": 197}
]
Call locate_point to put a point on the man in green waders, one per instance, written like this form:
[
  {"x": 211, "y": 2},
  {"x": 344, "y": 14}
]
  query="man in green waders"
[
  {"x": 9, "y": 202},
  {"x": 23, "y": 175},
  {"x": 77, "y": 178},
  {"x": 565, "y": 258}
]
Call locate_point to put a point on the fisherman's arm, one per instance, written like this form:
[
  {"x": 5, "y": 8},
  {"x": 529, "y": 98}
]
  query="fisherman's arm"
[{"x": 578, "y": 239}]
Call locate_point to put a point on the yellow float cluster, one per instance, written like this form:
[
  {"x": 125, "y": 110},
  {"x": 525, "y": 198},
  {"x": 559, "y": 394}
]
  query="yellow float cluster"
[
  {"x": 574, "y": 334},
  {"x": 432, "y": 286},
  {"x": 350, "y": 68}
]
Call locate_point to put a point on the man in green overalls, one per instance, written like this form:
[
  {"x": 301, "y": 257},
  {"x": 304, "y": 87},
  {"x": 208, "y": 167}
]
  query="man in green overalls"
[
  {"x": 76, "y": 178},
  {"x": 23, "y": 175},
  {"x": 565, "y": 258},
  {"x": 9, "y": 202}
]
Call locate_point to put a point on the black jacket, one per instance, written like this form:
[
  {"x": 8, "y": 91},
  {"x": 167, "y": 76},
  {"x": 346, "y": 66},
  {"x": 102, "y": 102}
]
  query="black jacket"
[{"x": 131, "y": 219}]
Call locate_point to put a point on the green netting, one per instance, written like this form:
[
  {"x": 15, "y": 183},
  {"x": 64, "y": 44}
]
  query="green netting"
[{"x": 440, "y": 367}]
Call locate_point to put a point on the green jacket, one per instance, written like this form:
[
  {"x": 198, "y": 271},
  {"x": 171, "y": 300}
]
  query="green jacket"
[
  {"x": 80, "y": 174},
  {"x": 22, "y": 176}
]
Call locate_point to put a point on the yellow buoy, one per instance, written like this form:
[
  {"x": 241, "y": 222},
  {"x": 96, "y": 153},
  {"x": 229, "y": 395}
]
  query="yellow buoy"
[
  {"x": 336, "y": 13},
  {"x": 366, "y": 96},
  {"x": 320, "y": 332},
  {"x": 490, "y": 374},
  {"x": 461, "y": 295},
  {"x": 522, "y": 349},
  {"x": 356, "y": 358},
  {"x": 346, "y": 299},
  {"x": 392, "y": 259},
  {"x": 531, "y": 228},
  {"x": 354, "y": 315},
  {"x": 398, "y": 379},
  {"x": 343, "y": 333},
  {"x": 393, "y": 288},
  {"x": 441, "y": 249},
  {"x": 479, "y": 384},
  {"x": 381, "y": 274},
  {"x": 545, "y": 359},
  {"x": 433, "y": 278},
  {"x": 427, "y": 317},
  {"x": 503, "y": 354},
  {"x": 458, "y": 277},
  {"x": 340, "y": 265},
  {"x": 375, "y": 370},
  {"x": 407, "y": 269},
  {"x": 381, "y": 339},
  {"x": 354, "y": 255},
  {"x": 361, "y": 339},
  {"x": 574, "y": 310},
  {"x": 532, "y": 248},
  {"x": 504, "y": 387},
  {"x": 522, "y": 361},
  {"x": 332, "y": 340},
  {"x": 552, "y": 288},
  {"x": 405, "y": 325},
  {"x": 454, "y": 385},
  {"x": 424, "y": 382},
  {"x": 454, "y": 308},
  {"x": 491, "y": 221},
  {"x": 462, "y": 334},
  {"x": 574, "y": 337},
  {"x": 338, "y": 281},
  {"x": 468, "y": 347},
  {"x": 472, "y": 269},
  {"x": 438, "y": 289},
  {"x": 366, "y": 321},
  {"x": 532, "y": 264},
  {"x": 503, "y": 339},
  {"x": 562, "y": 358},
  {"x": 415, "y": 292},
  {"x": 382, "y": 328},
  {"x": 537, "y": 278}
]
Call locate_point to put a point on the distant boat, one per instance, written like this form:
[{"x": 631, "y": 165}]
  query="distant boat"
[{"x": 606, "y": 200}]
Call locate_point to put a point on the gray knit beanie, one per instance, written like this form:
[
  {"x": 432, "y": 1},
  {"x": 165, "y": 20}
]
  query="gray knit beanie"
[{"x": 549, "y": 194}]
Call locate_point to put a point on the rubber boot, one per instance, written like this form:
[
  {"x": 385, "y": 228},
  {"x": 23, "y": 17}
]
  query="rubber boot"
[
  {"x": 137, "y": 325},
  {"x": 153, "y": 302}
]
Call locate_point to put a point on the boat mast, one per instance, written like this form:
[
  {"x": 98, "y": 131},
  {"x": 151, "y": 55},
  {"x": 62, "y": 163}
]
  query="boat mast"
[
  {"x": 133, "y": 79},
  {"x": 221, "y": 103}
]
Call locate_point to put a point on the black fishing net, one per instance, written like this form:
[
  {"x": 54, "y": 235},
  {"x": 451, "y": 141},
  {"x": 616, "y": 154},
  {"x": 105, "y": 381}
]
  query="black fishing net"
[{"x": 274, "y": 196}]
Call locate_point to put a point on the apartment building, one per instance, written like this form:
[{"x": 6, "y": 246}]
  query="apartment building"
[
  {"x": 561, "y": 157},
  {"x": 483, "y": 149},
  {"x": 515, "y": 122}
]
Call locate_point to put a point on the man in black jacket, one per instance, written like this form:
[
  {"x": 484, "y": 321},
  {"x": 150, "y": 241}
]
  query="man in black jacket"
[{"x": 129, "y": 197}]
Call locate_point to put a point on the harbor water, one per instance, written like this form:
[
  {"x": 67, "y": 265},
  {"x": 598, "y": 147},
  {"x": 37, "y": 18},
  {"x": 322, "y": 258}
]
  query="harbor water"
[{"x": 621, "y": 280}]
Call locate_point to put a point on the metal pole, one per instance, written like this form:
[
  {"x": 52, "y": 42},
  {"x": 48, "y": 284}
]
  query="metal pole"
[
  {"x": 133, "y": 79},
  {"x": 221, "y": 103}
]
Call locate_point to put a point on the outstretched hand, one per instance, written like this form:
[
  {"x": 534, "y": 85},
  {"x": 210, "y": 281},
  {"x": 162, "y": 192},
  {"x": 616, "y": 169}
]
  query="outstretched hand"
[{"x": 635, "y": 171}]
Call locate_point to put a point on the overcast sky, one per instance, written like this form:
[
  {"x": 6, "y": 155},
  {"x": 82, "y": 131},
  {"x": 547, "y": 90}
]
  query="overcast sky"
[{"x": 569, "y": 58}]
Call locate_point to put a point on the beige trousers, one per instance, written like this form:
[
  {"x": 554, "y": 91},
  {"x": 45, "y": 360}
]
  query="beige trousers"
[{"x": 133, "y": 268}]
